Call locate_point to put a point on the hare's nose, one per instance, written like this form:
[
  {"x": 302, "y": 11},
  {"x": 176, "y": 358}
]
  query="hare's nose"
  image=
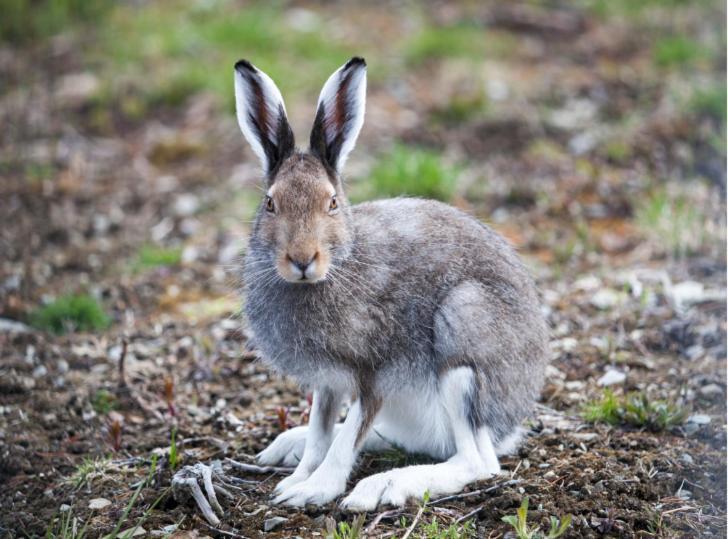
[{"x": 302, "y": 264}]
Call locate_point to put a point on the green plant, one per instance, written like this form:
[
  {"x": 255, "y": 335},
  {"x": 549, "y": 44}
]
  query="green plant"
[
  {"x": 103, "y": 401},
  {"x": 344, "y": 530},
  {"x": 711, "y": 102},
  {"x": 519, "y": 522},
  {"x": 677, "y": 51},
  {"x": 25, "y": 20},
  {"x": 65, "y": 527},
  {"x": 173, "y": 455},
  {"x": 436, "y": 530},
  {"x": 413, "y": 171},
  {"x": 635, "y": 409},
  {"x": 151, "y": 256},
  {"x": 87, "y": 471},
  {"x": 71, "y": 313},
  {"x": 458, "y": 41}
]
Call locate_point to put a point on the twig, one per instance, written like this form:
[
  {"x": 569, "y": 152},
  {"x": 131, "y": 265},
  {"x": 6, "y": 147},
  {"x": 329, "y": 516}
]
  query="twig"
[
  {"x": 508, "y": 483},
  {"x": 254, "y": 468},
  {"x": 471, "y": 514},
  {"x": 384, "y": 514},
  {"x": 415, "y": 521},
  {"x": 122, "y": 357},
  {"x": 223, "y": 532}
]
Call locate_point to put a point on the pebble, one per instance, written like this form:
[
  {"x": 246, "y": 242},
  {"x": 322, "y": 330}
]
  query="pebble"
[
  {"x": 711, "y": 390},
  {"x": 98, "y": 503},
  {"x": 11, "y": 326},
  {"x": 611, "y": 377},
  {"x": 273, "y": 523},
  {"x": 686, "y": 459},
  {"x": 699, "y": 419},
  {"x": 40, "y": 371},
  {"x": 606, "y": 298}
]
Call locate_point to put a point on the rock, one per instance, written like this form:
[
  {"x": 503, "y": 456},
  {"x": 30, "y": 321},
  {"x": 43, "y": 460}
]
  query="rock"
[
  {"x": 699, "y": 419},
  {"x": 584, "y": 436},
  {"x": 711, "y": 390},
  {"x": 11, "y": 326},
  {"x": 186, "y": 204},
  {"x": 76, "y": 88},
  {"x": 686, "y": 459},
  {"x": 40, "y": 371},
  {"x": 98, "y": 503},
  {"x": 273, "y": 523},
  {"x": 687, "y": 293},
  {"x": 611, "y": 377},
  {"x": 606, "y": 298}
]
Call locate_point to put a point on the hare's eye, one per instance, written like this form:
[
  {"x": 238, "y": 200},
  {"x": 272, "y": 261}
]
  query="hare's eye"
[
  {"x": 269, "y": 206},
  {"x": 333, "y": 204}
]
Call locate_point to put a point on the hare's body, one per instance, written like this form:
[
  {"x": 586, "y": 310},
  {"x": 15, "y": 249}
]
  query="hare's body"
[
  {"x": 424, "y": 288},
  {"x": 419, "y": 315}
]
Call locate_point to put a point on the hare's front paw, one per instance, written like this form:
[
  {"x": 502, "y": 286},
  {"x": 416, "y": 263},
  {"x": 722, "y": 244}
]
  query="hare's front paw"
[
  {"x": 370, "y": 490},
  {"x": 293, "y": 479},
  {"x": 314, "y": 490},
  {"x": 286, "y": 449}
]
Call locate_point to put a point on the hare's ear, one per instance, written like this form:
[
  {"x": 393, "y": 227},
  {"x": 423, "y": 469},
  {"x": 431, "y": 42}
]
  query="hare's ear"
[
  {"x": 340, "y": 114},
  {"x": 262, "y": 116}
]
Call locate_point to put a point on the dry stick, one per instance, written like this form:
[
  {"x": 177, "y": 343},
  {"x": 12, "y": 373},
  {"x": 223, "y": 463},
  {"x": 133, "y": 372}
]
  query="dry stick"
[
  {"x": 471, "y": 514},
  {"x": 122, "y": 357},
  {"x": 415, "y": 521},
  {"x": 508, "y": 483},
  {"x": 385, "y": 514},
  {"x": 254, "y": 468},
  {"x": 223, "y": 532}
]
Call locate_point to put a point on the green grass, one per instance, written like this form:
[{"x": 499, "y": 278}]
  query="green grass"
[
  {"x": 174, "y": 458},
  {"x": 23, "y": 21},
  {"x": 674, "y": 221},
  {"x": 519, "y": 522},
  {"x": 151, "y": 256},
  {"x": 412, "y": 171},
  {"x": 459, "y": 41},
  {"x": 344, "y": 530},
  {"x": 461, "y": 108},
  {"x": 71, "y": 313},
  {"x": 677, "y": 51},
  {"x": 438, "y": 530},
  {"x": 66, "y": 527},
  {"x": 164, "y": 51},
  {"x": 87, "y": 470},
  {"x": 635, "y": 409},
  {"x": 103, "y": 401},
  {"x": 711, "y": 102}
]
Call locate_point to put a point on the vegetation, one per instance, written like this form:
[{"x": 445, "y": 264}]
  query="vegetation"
[
  {"x": 635, "y": 409},
  {"x": 103, "y": 401},
  {"x": 71, "y": 313},
  {"x": 519, "y": 521},
  {"x": 412, "y": 171},
  {"x": 66, "y": 527},
  {"x": 173, "y": 454},
  {"x": 438, "y": 530},
  {"x": 87, "y": 471},
  {"x": 677, "y": 51},
  {"x": 344, "y": 530},
  {"x": 151, "y": 256}
]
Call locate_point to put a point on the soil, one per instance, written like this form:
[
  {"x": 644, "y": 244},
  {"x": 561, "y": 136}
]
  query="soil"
[{"x": 176, "y": 354}]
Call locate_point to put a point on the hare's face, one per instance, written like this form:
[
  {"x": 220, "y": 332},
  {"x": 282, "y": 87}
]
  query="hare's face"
[{"x": 303, "y": 221}]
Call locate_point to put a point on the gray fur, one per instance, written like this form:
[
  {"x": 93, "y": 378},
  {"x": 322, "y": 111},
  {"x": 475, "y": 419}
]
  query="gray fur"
[{"x": 415, "y": 288}]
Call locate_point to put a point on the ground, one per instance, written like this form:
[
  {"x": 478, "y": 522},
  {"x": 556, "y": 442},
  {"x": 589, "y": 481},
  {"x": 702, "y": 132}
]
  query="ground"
[{"x": 590, "y": 134}]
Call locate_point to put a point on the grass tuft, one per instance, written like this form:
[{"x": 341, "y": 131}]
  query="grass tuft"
[
  {"x": 676, "y": 51},
  {"x": 71, "y": 313},
  {"x": 103, "y": 401},
  {"x": 151, "y": 256},
  {"x": 519, "y": 522},
  {"x": 635, "y": 409},
  {"x": 412, "y": 171},
  {"x": 87, "y": 471}
]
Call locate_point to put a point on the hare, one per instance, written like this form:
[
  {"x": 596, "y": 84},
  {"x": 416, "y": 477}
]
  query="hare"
[{"x": 420, "y": 316}]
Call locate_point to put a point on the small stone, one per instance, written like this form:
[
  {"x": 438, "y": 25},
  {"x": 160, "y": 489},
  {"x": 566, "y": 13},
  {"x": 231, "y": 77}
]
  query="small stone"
[
  {"x": 98, "y": 503},
  {"x": 711, "y": 390},
  {"x": 186, "y": 204},
  {"x": 684, "y": 494},
  {"x": 273, "y": 523},
  {"x": 686, "y": 459},
  {"x": 699, "y": 419},
  {"x": 64, "y": 508},
  {"x": 549, "y": 475},
  {"x": 604, "y": 299},
  {"x": 11, "y": 326},
  {"x": 40, "y": 371},
  {"x": 584, "y": 436},
  {"x": 611, "y": 377}
]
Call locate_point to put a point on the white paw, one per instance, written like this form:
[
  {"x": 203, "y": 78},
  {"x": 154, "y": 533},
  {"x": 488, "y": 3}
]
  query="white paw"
[
  {"x": 286, "y": 449},
  {"x": 312, "y": 491},
  {"x": 293, "y": 479},
  {"x": 386, "y": 488}
]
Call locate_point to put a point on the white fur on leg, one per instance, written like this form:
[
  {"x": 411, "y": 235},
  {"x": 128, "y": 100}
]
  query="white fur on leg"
[
  {"x": 287, "y": 449},
  {"x": 474, "y": 459},
  {"x": 329, "y": 479},
  {"x": 317, "y": 443}
]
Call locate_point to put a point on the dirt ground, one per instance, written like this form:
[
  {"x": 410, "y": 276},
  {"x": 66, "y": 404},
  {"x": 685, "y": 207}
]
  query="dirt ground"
[{"x": 591, "y": 159}]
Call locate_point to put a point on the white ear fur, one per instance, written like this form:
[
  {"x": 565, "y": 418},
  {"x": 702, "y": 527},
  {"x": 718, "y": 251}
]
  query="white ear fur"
[
  {"x": 261, "y": 115},
  {"x": 340, "y": 113}
]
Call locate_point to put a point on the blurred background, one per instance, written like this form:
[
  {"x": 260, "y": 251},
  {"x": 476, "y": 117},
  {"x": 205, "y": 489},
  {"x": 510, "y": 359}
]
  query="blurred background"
[{"x": 592, "y": 134}]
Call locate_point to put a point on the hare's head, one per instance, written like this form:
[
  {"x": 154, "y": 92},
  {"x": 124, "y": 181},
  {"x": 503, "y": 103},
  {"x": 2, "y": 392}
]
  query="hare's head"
[{"x": 303, "y": 222}]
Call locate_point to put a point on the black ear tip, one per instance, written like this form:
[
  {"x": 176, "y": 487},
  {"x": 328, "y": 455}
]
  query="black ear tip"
[
  {"x": 244, "y": 65},
  {"x": 355, "y": 62}
]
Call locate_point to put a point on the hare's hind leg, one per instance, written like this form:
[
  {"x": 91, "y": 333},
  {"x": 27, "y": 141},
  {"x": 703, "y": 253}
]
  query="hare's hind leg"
[{"x": 474, "y": 457}]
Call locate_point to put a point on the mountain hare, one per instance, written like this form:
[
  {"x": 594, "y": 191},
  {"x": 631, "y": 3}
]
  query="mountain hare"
[{"x": 418, "y": 314}]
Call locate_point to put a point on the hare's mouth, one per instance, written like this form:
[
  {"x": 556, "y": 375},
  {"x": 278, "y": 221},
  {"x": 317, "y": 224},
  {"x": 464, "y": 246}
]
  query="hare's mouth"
[{"x": 311, "y": 271}]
